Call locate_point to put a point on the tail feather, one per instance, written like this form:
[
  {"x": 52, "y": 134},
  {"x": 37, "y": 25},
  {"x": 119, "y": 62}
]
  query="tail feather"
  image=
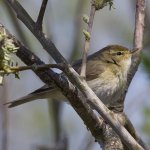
[
  {"x": 42, "y": 93},
  {"x": 20, "y": 101}
]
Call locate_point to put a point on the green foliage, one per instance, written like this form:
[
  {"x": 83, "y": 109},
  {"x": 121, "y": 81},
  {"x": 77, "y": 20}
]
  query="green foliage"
[
  {"x": 7, "y": 48},
  {"x": 86, "y": 19},
  {"x": 87, "y": 35},
  {"x": 146, "y": 62},
  {"x": 99, "y": 4}
]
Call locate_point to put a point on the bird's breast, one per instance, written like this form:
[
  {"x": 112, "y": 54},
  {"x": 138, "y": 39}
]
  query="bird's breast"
[{"x": 108, "y": 87}]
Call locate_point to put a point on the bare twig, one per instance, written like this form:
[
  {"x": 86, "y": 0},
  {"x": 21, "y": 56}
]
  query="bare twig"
[
  {"x": 35, "y": 67},
  {"x": 87, "y": 40},
  {"x": 74, "y": 78},
  {"x": 41, "y": 15},
  {"x": 137, "y": 44},
  {"x": 138, "y": 37},
  {"x": 95, "y": 5},
  {"x": 139, "y": 24},
  {"x": 4, "y": 118},
  {"x": 15, "y": 23}
]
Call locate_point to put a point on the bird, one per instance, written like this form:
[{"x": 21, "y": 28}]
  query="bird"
[{"x": 106, "y": 75}]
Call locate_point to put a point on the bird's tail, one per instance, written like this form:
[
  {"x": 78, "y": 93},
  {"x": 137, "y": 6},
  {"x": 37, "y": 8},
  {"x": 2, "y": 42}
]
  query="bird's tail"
[
  {"x": 21, "y": 101},
  {"x": 42, "y": 93}
]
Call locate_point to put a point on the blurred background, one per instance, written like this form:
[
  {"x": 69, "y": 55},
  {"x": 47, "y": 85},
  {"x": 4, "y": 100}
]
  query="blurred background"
[{"x": 50, "y": 125}]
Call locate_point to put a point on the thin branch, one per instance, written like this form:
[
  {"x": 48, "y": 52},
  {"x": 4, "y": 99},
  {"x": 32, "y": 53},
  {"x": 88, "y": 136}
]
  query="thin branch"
[
  {"x": 35, "y": 67},
  {"x": 74, "y": 78},
  {"x": 139, "y": 24},
  {"x": 138, "y": 38},
  {"x": 95, "y": 5},
  {"x": 16, "y": 24},
  {"x": 87, "y": 40},
  {"x": 41, "y": 15},
  {"x": 4, "y": 117}
]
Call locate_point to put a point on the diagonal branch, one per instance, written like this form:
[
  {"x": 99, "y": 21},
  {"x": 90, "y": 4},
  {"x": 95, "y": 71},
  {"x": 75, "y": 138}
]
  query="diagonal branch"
[
  {"x": 41, "y": 15},
  {"x": 74, "y": 78}
]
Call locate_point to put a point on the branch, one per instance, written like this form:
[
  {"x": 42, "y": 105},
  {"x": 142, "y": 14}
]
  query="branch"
[
  {"x": 35, "y": 67},
  {"x": 138, "y": 38},
  {"x": 15, "y": 23},
  {"x": 137, "y": 44},
  {"x": 41, "y": 15},
  {"x": 74, "y": 78},
  {"x": 139, "y": 24},
  {"x": 95, "y": 5},
  {"x": 87, "y": 40}
]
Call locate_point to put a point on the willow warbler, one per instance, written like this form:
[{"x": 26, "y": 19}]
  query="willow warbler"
[{"x": 106, "y": 74}]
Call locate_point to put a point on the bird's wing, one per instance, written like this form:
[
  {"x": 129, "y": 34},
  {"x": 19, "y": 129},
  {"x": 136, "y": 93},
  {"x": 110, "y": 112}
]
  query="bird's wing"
[{"x": 94, "y": 68}]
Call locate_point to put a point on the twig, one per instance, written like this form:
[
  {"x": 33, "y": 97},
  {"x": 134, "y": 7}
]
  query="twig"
[
  {"x": 137, "y": 44},
  {"x": 41, "y": 15},
  {"x": 4, "y": 118},
  {"x": 36, "y": 67},
  {"x": 138, "y": 38},
  {"x": 95, "y": 5},
  {"x": 16, "y": 23},
  {"x": 87, "y": 40},
  {"x": 74, "y": 78},
  {"x": 139, "y": 24}
]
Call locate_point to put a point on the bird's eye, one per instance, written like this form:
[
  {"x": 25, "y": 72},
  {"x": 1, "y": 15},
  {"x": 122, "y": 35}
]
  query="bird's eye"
[{"x": 119, "y": 53}]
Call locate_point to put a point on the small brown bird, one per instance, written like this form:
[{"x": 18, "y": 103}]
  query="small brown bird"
[{"x": 106, "y": 74}]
